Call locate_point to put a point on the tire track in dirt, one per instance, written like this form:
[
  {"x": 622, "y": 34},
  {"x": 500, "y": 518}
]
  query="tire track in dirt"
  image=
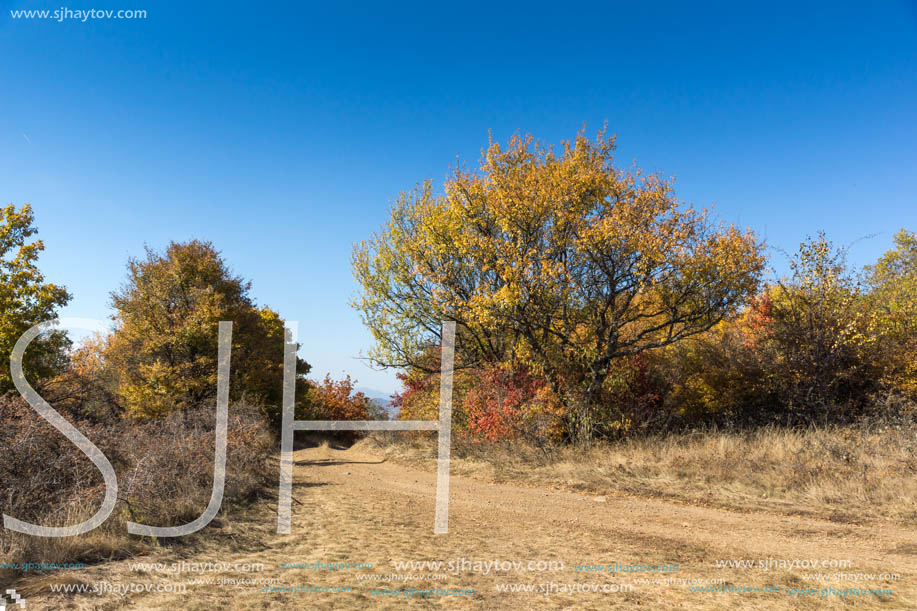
[{"x": 353, "y": 507}]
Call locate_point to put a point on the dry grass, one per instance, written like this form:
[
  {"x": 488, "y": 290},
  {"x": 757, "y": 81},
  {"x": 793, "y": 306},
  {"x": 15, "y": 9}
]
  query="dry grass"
[
  {"x": 104, "y": 543},
  {"x": 351, "y": 506},
  {"x": 164, "y": 469},
  {"x": 845, "y": 474}
]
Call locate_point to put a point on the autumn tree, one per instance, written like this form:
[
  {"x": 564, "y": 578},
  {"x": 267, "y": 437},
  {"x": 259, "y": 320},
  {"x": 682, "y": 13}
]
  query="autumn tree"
[
  {"x": 339, "y": 400},
  {"x": 555, "y": 259},
  {"x": 893, "y": 283},
  {"x": 726, "y": 374},
  {"x": 164, "y": 346},
  {"x": 26, "y": 300},
  {"x": 503, "y": 403},
  {"x": 805, "y": 350},
  {"x": 819, "y": 329}
]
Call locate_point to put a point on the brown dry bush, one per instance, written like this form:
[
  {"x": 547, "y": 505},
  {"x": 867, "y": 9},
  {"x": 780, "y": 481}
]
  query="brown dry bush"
[{"x": 164, "y": 468}]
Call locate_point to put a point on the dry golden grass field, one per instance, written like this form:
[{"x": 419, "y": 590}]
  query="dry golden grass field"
[{"x": 689, "y": 502}]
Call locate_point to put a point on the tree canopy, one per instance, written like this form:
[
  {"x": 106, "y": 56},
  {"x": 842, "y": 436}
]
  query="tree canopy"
[
  {"x": 555, "y": 259},
  {"x": 164, "y": 346},
  {"x": 894, "y": 284},
  {"x": 26, "y": 300}
]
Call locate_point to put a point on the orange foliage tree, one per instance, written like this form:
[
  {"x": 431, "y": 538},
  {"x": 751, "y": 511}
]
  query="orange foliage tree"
[{"x": 337, "y": 400}]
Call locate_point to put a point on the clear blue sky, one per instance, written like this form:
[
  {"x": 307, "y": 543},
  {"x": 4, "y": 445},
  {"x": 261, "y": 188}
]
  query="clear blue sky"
[{"x": 283, "y": 134}]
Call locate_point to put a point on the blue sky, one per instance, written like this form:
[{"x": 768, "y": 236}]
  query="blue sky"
[{"x": 283, "y": 135}]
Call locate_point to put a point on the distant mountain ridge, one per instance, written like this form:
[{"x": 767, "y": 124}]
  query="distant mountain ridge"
[{"x": 380, "y": 398}]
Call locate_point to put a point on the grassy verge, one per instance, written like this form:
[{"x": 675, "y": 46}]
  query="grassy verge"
[
  {"x": 165, "y": 476},
  {"x": 855, "y": 474}
]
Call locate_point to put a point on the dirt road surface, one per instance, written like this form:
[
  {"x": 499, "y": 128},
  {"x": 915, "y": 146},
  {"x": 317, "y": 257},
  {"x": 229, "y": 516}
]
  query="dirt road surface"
[{"x": 352, "y": 507}]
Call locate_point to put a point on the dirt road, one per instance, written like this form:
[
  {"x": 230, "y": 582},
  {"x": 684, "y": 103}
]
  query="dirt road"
[{"x": 352, "y": 507}]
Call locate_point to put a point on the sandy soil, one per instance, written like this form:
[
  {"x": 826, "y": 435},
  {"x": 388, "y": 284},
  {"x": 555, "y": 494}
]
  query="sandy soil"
[{"x": 353, "y": 507}]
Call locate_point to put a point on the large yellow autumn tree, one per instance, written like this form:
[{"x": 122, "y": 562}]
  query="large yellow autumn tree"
[
  {"x": 163, "y": 351},
  {"x": 556, "y": 259}
]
